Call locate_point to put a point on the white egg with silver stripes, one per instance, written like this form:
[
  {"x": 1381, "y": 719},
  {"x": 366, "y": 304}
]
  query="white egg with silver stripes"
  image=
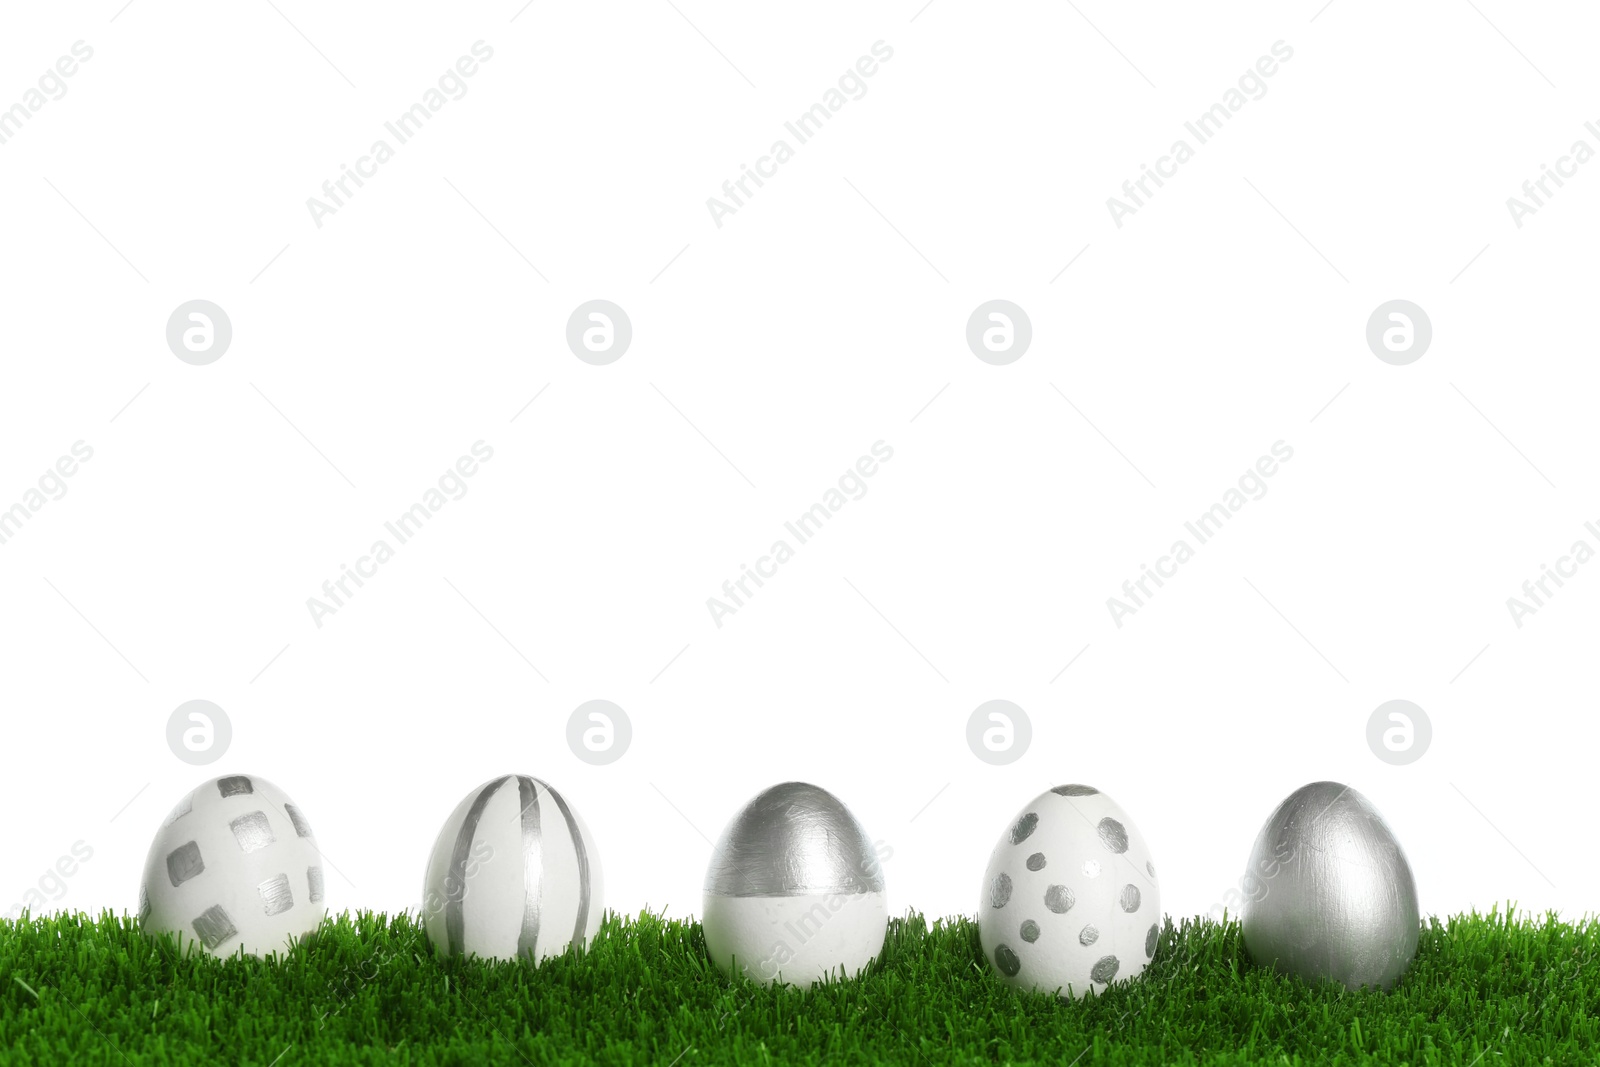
[
  {"x": 794, "y": 892},
  {"x": 234, "y": 868},
  {"x": 1070, "y": 900},
  {"x": 514, "y": 874}
]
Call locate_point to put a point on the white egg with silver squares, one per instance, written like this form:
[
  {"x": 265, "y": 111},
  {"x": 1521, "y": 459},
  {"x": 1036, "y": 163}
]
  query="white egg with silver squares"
[{"x": 234, "y": 868}]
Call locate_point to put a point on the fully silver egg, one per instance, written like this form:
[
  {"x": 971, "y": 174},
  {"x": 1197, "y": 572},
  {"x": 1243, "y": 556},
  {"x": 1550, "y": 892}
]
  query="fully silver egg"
[
  {"x": 794, "y": 891},
  {"x": 1328, "y": 893}
]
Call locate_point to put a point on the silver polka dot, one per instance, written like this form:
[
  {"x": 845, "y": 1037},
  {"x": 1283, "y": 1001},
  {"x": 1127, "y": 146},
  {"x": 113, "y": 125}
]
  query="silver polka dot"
[
  {"x": 1036, "y": 862},
  {"x": 1007, "y": 961},
  {"x": 1113, "y": 835},
  {"x": 1075, "y": 790},
  {"x": 1105, "y": 969},
  {"x": 1024, "y": 828},
  {"x": 1150, "y": 867},
  {"x": 1129, "y": 899},
  {"x": 1000, "y": 890},
  {"x": 1088, "y": 935},
  {"x": 1150, "y": 941},
  {"x": 1059, "y": 899},
  {"x": 1030, "y": 931}
]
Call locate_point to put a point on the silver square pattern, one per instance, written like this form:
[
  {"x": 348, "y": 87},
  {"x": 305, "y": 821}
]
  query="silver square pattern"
[
  {"x": 302, "y": 828},
  {"x": 214, "y": 927},
  {"x": 275, "y": 895},
  {"x": 184, "y": 863},
  {"x": 314, "y": 880},
  {"x": 252, "y": 831},
  {"x": 235, "y": 785}
]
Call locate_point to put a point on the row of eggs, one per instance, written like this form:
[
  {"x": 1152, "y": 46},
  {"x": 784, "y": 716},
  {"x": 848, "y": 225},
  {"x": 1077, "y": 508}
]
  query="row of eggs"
[{"x": 795, "y": 892}]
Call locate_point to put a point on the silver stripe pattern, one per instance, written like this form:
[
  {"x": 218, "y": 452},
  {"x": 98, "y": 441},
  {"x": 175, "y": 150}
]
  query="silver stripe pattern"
[
  {"x": 532, "y": 868},
  {"x": 456, "y": 884},
  {"x": 583, "y": 864}
]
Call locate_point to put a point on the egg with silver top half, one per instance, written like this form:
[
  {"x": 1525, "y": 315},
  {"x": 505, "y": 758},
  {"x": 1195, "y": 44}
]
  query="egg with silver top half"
[
  {"x": 233, "y": 868},
  {"x": 1069, "y": 900},
  {"x": 1329, "y": 893},
  {"x": 795, "y": 890},
  {"x": 514, "y": 874}
]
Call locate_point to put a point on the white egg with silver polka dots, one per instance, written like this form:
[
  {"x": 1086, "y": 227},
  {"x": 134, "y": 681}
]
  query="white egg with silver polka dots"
[
  {"x": 234, "y": 867},
  {"x": 1070, "y": 900}
]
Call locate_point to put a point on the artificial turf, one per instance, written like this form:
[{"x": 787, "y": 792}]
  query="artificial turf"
[{"x": 367, "y": 990}]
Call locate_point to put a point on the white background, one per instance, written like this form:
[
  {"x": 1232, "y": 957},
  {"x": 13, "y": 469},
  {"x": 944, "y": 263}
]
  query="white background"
[{"x": 824, "y": 316}]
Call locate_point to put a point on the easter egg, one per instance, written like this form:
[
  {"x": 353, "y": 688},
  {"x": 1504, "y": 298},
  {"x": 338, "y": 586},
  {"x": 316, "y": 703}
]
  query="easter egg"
[
  {"x": 235, "y": 868},
  {"x": 1328, "y": 893},
  {"x": 514, "y": 873},
  {"x": 795, "y": 891},
  {"x": 1069, "y": 900}
]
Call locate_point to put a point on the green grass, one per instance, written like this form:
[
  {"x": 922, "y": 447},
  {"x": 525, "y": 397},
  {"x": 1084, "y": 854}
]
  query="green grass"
[{"x": 1484, "y": 990}]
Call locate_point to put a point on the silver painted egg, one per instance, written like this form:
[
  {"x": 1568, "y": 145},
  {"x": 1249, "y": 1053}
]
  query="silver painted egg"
[
  {"x": 795, "y": 890},
  {"x": 1328, "y": 893}
]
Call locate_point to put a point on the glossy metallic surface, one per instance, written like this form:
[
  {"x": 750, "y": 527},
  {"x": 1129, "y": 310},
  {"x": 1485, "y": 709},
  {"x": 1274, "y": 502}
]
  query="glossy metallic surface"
[
  {"x": 1328, "y": 893},
  {"x": 790, "y": 840}
]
